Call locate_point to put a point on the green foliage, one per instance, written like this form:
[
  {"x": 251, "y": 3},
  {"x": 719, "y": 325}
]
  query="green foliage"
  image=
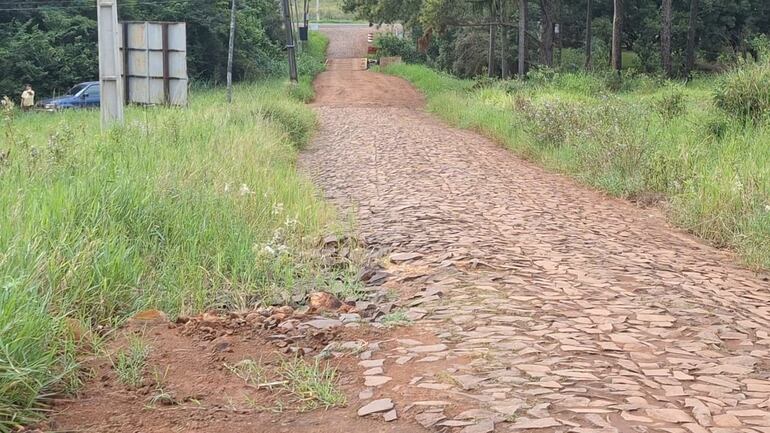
[
  {"x": 252, "y": 372},
  {"x": 129, "y": 363},
  {"x": 313, "y": 384},
  {"x": 180, "y": 210},
  {"x": 726, "y": 31},
  {"x": 311, "y": 62},
  {"x": 745, "y": 92},
  {"x": 54, "y": 48},
  {"x": 395, "y": 318},
  {"x": 36, "y": 357},
  {"x": 671, "y": 105},
  {"x": 391, "y": 45}
]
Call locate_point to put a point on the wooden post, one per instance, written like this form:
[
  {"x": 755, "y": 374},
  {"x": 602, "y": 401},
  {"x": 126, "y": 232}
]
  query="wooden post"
[{"x": 110, "y": 68}]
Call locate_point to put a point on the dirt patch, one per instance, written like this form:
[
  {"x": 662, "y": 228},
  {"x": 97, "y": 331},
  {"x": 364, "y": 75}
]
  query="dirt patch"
[
  {"x": 346, "y": 82},
  {"x": 191, "y": 381}
]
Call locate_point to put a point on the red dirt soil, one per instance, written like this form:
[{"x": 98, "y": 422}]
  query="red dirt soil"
[{"x": 190, "y": 364}]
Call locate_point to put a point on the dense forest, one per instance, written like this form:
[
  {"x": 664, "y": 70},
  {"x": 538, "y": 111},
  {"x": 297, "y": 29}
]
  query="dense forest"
[
  {"x": 52, "y": 43},
  {"x": 653, "y": 36}
]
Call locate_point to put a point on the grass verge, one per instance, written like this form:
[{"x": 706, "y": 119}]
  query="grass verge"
[
  {"x": 647, "y": 140},
  {"x": 180, "y": 209}
]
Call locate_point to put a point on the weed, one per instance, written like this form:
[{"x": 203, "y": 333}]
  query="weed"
[
  {"x": 745, "y": 91},
  {"x": 671, "y": 105},
  {"x": 252, "y": 372},
  {"x": 313, "y": 384},
  {"x": 395, "y": 318},
  {"x": 161, "y": 396},
  {"x": 277, "y": 407},
  {"x": 129, "y": 363},
  {"x": 36, "y": 357}
]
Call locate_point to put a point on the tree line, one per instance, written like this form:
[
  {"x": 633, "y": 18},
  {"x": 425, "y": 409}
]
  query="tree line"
[
  {"x": 672, "y": 37},
  {"x": 51, "y": 44}
]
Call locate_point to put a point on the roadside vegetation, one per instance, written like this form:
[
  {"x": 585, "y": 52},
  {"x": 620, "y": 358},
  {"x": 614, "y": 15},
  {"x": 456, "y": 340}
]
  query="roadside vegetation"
[
  {"x": 330, "y": 11},
  {"x": 52, "y": 44},
  {"x": 180, "y": 210},
  {"x": 698, "y": 148}
]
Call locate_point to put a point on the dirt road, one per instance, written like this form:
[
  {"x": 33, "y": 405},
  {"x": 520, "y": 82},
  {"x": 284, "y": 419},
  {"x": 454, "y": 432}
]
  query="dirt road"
[{"x": 547, "y": 306}]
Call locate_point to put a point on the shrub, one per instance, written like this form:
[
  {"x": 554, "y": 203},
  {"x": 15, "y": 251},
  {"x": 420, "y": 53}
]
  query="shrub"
[
  {"x": 551, "y": 122},
  {"x": 391, "y": 45},
  {"x": 716, "y": 124},
  {"x": 745, "y": 91},
  {"x": 671, "y": 105}
]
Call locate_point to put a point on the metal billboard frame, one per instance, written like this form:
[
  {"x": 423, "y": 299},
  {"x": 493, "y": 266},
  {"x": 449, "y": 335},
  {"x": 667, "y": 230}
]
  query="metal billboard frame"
[{"x": 155, "y": 62}]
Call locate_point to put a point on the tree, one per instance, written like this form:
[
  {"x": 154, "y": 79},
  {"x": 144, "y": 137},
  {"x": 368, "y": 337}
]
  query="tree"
[
  {"x": 523, "y": 24},
  {"x": 54, "y": 47},
  {"x": 665, "y": 37},
  {"x": 690, "y": 49},
  {"x": 589, "y": 35},
  {"x": 617, "y": 35},
  {"x": 504, "y": 71},
  {"x": 492, "y": 37},
  {"x": 547, "y": 10}
]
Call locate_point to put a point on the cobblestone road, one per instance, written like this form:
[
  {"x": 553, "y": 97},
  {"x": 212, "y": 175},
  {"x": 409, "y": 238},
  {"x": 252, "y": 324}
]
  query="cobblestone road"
[{"x": 554, "y": 308}]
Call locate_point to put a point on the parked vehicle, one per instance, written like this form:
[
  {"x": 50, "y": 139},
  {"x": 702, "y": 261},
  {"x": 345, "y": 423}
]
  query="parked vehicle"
[{"x": 83, "y": 95}]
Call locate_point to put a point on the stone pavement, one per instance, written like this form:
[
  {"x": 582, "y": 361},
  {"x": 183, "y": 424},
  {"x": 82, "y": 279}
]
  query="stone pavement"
[{"x": 564, "y": 310}]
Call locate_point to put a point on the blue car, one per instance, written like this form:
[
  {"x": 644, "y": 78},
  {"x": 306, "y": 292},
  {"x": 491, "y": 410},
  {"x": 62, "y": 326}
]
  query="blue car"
[{"x": 83, "y": 95}]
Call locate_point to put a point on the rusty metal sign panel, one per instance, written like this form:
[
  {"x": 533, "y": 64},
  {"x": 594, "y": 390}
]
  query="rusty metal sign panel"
[{"x": 155, "y": 62}]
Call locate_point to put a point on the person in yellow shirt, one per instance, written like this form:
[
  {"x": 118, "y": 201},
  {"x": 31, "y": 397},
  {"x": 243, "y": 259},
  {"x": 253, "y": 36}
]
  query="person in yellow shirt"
[{"x": 27, "y": 98}]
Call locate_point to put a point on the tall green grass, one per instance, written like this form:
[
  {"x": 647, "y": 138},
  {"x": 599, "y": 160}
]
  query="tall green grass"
[
  {"x": 701, "y": 146},
  {"x": 182, "y": 209}
]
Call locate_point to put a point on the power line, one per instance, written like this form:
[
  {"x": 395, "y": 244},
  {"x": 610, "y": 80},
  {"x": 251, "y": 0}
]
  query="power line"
[{"x": 35, "y": 5}]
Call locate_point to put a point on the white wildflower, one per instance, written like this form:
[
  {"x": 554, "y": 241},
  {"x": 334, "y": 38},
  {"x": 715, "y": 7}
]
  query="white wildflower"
[
  {"x": 277, "y": 208},
  {"x": 245, "y": 190}
]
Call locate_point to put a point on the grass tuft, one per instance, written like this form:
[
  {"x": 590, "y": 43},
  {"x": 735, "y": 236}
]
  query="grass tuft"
[
  {"x": 314, "y": 384},
  {"x": 395, "y": 318},
  {"x": 252, "y": 372},
  {"x": 129, "y": 363}
]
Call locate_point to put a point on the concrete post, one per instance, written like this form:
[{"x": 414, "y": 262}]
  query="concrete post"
[{"x": 110, "y": 65}]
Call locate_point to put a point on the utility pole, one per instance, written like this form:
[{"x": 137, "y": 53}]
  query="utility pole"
[
  {"x": 289, "y": 40},
  {"x": 110, "y": 67},
  {"x": 230, "y": 50},
  {"x": 317, "y": 11}
]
